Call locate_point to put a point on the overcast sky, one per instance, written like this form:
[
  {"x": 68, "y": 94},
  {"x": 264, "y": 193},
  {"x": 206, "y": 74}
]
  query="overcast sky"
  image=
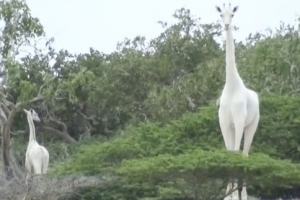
[{"x": 78, "y": 25}]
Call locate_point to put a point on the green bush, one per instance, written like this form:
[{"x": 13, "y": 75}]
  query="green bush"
[
  {"x": 192, "y": 146},
  {"x": 196, "y": 168},
  {"x": 277, "y": 136},
  {"x": 278, "y": 131},
  {"x": 148, "y": 140}
]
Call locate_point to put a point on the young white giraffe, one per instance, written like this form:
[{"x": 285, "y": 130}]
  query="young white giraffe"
[
  {"x": 238, "y": 105},
  {"x": 37, "y": 156}
]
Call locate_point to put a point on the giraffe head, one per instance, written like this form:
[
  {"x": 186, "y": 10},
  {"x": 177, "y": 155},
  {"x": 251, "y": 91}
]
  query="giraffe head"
[
  {"x": 33, "y": 114},
  {"x": 227, "y": 14}
]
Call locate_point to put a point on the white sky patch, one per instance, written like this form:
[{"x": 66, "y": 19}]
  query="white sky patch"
[{"x": 78, "y": 25}]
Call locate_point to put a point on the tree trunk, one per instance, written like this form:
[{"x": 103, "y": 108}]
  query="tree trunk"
[{"x": 7, "y": 165}]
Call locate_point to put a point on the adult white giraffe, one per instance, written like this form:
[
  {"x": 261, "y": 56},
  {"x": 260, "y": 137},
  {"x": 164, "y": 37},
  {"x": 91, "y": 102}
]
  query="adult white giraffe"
[
  {"x": 238, "y": 105},
  {"x": 37, "y": 156}
]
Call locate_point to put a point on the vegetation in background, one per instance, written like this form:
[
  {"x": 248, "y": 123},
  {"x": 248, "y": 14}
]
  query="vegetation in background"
[{"x": 142, "y": 120}]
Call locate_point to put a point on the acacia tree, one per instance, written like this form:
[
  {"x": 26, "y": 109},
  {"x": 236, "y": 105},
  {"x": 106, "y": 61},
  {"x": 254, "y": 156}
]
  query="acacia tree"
[{"x": 20, "y": 27}]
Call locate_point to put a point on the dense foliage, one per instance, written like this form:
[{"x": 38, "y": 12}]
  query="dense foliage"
[{"x": 183, "y": 149}]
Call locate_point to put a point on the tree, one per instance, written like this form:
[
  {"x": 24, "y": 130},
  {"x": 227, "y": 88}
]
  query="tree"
[{"x": 19, "y": 27}]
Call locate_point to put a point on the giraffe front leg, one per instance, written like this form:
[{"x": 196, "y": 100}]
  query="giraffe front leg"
[
  {"x": 249, "y": 135},
  {"x": 239, "y": 114},
  {"x": 228, "y": 190},
  {"x": 244, "y": 193},
  {"x": 235, "y": 193},
  {"x": 226, "y": 128}
]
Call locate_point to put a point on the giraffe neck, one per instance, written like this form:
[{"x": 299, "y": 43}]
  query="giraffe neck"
[
  {"x": 31, "y": 129},
  {"x": 232, "y": 76}
]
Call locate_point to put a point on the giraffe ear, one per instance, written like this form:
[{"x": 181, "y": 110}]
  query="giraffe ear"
[
  {"x": 218, "y": 9},
  {"x": 235, "y": 9},
  {"x": 25, "y": 110}
]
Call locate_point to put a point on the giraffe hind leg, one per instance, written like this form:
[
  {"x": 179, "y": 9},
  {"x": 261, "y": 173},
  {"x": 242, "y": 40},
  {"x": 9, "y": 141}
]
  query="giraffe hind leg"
[{"x": 250, "y": 131}]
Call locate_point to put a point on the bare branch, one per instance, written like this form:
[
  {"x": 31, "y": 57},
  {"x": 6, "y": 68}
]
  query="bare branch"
[
  {"x": 92, "y": 117},
  {"x": 41, "y": 88},
  {"x": 5, "y": 103},
  {"x": 22, "y": 132},
  {"x": 64, "y": 135},
  {"x": 2, "y": 96},
  {"x": 9, "y": 104},
  {"x": 34, "y": 100},
  {"x": 3, "y": 117},
  {"x": 59, "y": 123},
  {"x": 2, "y": 112}
]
